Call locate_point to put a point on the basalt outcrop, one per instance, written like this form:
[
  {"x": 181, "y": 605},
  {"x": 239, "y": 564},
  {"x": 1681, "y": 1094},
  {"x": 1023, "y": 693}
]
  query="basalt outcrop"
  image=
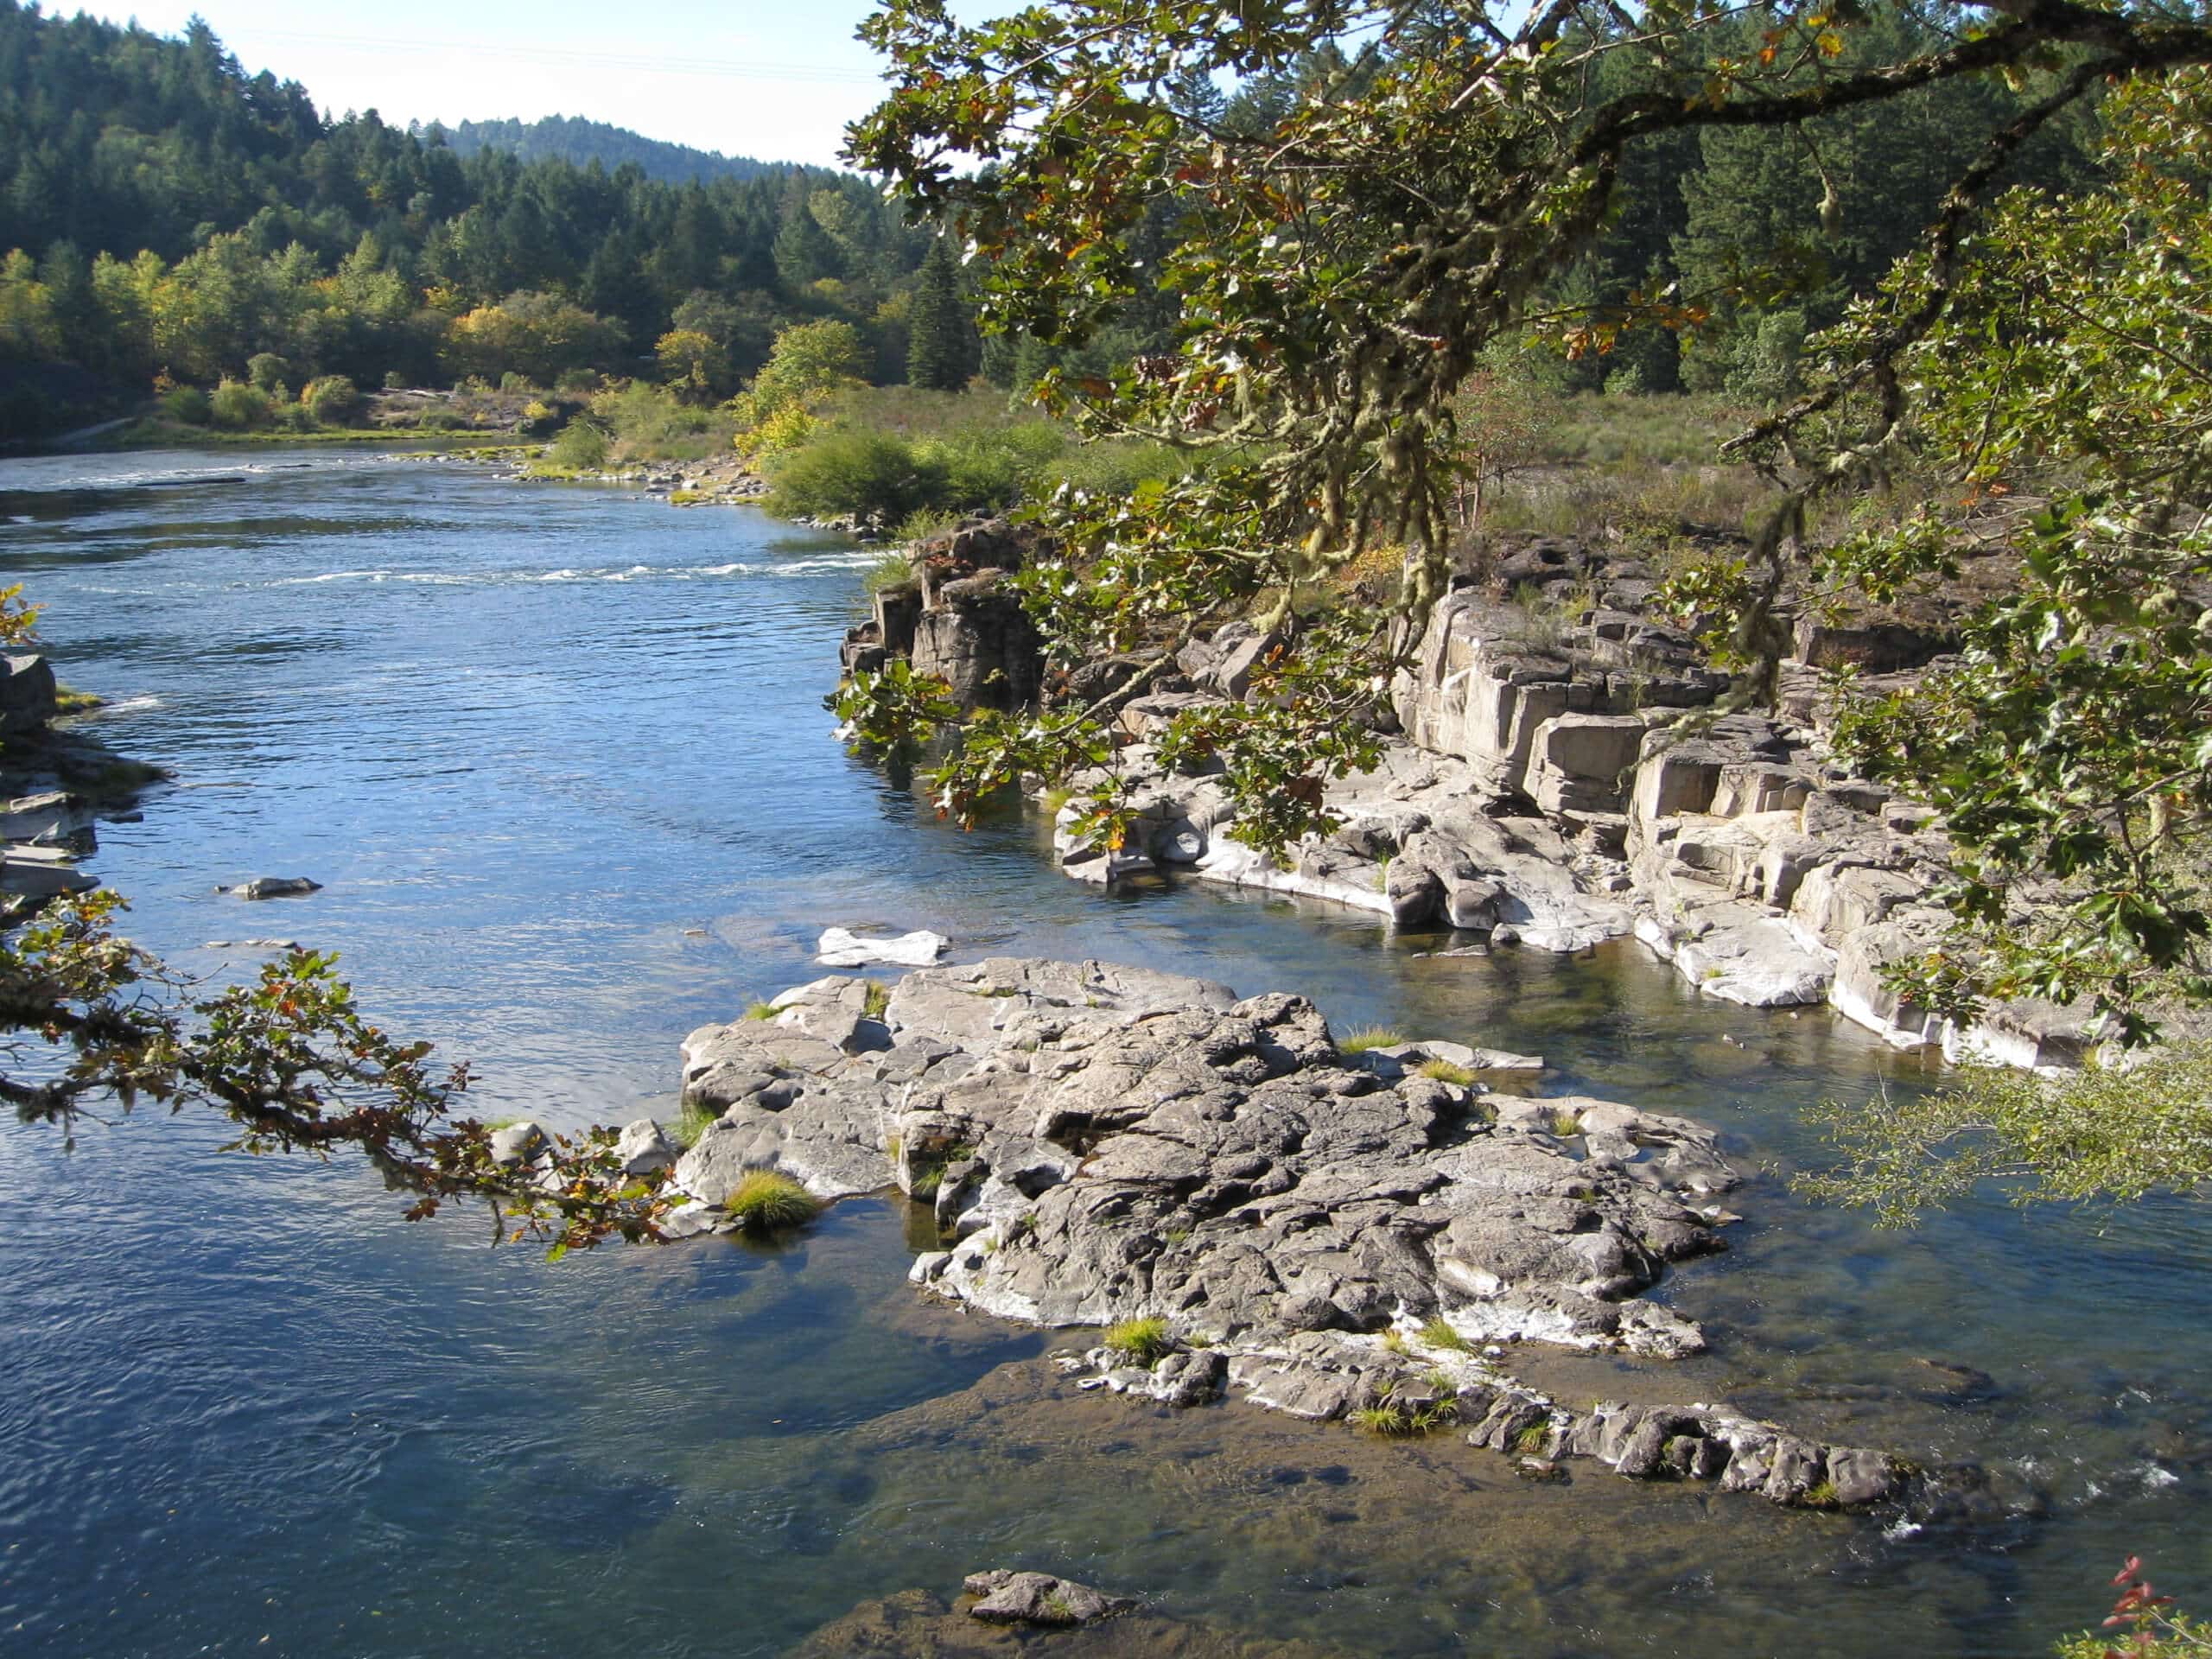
[
  {"x": 957, "y": 618},
  {"x": 1319, "y": 1232},
  {"x": 1557, "y": 773},
  {"x": 1557, "y": 778}
]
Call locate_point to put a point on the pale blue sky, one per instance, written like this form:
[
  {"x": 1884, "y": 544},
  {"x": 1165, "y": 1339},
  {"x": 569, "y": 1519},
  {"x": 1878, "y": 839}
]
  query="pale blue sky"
[{"x": 746, "y": 76}]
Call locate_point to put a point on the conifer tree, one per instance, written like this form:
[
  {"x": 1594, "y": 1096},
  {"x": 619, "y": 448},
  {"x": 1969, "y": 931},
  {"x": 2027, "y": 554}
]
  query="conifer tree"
[{"x": 941, "y": 343}]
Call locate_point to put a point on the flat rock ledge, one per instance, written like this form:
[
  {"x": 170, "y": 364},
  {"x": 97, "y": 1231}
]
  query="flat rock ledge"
[{"x": 1326, "y": 1234}]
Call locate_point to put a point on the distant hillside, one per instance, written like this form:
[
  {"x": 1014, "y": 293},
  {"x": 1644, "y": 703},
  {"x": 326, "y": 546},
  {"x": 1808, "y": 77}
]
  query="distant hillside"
[{"x": 570, "y": 138}]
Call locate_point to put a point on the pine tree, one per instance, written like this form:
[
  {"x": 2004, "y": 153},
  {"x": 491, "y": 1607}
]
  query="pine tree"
[{"x": 941, "y": 344}]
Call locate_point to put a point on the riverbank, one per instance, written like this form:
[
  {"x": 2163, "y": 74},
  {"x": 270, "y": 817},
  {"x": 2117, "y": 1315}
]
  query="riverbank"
[{"x": 1555, "y": 771}]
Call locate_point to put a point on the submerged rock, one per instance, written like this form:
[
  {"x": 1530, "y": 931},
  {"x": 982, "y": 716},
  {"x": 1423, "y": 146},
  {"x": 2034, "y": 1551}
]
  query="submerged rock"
[
  {"x": 275, "y": 886},
  {"x": 1009, "y": 1598}
]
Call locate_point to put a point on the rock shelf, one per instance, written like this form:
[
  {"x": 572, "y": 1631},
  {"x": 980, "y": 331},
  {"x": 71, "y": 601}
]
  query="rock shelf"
[{"x": 1322, "y": 1233}]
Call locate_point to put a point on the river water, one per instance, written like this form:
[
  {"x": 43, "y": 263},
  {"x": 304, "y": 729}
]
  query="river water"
[{"x": 558, "y": 755}]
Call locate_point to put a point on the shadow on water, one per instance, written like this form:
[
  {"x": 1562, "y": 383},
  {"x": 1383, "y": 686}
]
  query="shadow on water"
[{"x": 576, "y": 798}]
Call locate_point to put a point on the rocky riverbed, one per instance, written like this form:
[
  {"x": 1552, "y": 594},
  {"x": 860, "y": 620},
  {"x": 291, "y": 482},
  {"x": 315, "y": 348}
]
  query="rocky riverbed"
[{"x": 1327, "y": 1233}]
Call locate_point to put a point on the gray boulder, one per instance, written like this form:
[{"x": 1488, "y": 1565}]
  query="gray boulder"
[{"x": 1009, "y": 1598}]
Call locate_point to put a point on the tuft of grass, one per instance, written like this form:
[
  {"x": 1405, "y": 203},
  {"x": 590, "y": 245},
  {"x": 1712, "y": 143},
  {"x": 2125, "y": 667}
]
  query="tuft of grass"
[
  {"x": 1394, "y": 1422},
  {"x": 929, "y": 1171},
  {"x": 1446, "y": 1071},
  {"x": 875, "y": 1000},
  {"x": 1821, "y": 1494},
  {"x": 68, "y": 700},
  {"x": 1367, "y": 1037},
  {"x": 1389, "y": 1421},
  {"x": 1565, "y": 1125},
  {"x": 1394, "y": 1341},
  {"x": 691, "y": 1121},
  {"x": 1532, "y": 1439},
  {"x": 1145, "y": 1340},
  {"x": 892, "y": 570},
  {"x": 1439, "y": 1333},
  {"x": 761, "y": 1011},
  {"x": 765, "y": 1201}
]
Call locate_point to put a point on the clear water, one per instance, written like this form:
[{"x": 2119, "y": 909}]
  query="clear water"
[{"x": 558, "y": 755}]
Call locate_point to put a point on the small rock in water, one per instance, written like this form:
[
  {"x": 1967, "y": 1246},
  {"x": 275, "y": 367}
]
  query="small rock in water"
[
  {"x": 1037, "y": 1598},
  {"x": 517, "y": 1143},
  {"x": 273, "y": 886},
  {"x": 643, "y": 1149},
  {"x": 840, "y": 948},
  {"x": 252, "y": 944}
]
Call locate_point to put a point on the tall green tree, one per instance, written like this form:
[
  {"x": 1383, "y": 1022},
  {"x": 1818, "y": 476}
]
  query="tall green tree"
[{"x": 942, "y": 348}]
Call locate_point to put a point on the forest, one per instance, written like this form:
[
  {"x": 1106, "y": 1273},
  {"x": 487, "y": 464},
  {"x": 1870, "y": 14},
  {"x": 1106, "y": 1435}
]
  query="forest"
[{"x": 170, "y": 218}]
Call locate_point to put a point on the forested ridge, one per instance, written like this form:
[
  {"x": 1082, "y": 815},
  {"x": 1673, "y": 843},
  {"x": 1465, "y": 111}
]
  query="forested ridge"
[
  {"x": 572, "y": 138},
  {"x": 168, "y": 214}
]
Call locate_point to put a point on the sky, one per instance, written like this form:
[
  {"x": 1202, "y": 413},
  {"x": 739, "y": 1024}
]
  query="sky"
[{"x": 774, "y": 81}]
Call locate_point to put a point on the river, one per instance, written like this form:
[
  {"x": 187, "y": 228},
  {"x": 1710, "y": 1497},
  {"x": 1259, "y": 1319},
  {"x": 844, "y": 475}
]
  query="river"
[{"x": 558, "y": 755}]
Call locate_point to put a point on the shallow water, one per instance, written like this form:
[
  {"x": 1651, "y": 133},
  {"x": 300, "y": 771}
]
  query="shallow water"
[{"x": 559, "y": 756}]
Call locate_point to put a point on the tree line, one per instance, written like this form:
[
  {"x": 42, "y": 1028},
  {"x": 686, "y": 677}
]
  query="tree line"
[{"x": 171, "y": 215}]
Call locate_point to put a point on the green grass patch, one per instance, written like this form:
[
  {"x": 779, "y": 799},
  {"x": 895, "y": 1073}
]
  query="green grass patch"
[
  {"x": 1531, "y": 1440},
  {"x": 876, "y": 1000},
  {"x": 765, "y": 1202},
  {"x": 761, "y": 1010},
  {"x": 1367, "y": 1037},
  {"x": 1446, "y": 1071},
  {"x": 68, "y": 700},
  {"x": 1565, "y": 1125},
  {"x": 892, "y": 570},
  {"x": 1439, "y": 1333},
  {"x": 1145, "y": 1340},
  {"x": 692, "y": 1121}
]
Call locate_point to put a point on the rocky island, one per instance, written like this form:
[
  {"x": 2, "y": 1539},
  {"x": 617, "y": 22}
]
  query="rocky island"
[{"x": 1255, "y": 1211}]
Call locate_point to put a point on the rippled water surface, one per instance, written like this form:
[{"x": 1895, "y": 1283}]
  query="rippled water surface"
[{"x": 559, "y": 758}]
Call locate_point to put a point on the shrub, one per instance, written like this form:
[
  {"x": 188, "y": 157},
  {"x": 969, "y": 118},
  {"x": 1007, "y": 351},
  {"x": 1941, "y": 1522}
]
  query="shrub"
[
  {"x": 765, "y": 1201},
  {"x": 1367, "y": 1037},
  {"x": 265, "y": 371},
  {"x": 871, "y": 473},
  {"x": 188, "y": 404},
  {"x": 238, "y": 406},
  {"x": 581, "y": 447},
  {"x": 650, "y": 423},
  {"x": 512, "y": 381},
  {"x": 332, "y": 400},
  {"x": 1145, "y": 1340}
]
